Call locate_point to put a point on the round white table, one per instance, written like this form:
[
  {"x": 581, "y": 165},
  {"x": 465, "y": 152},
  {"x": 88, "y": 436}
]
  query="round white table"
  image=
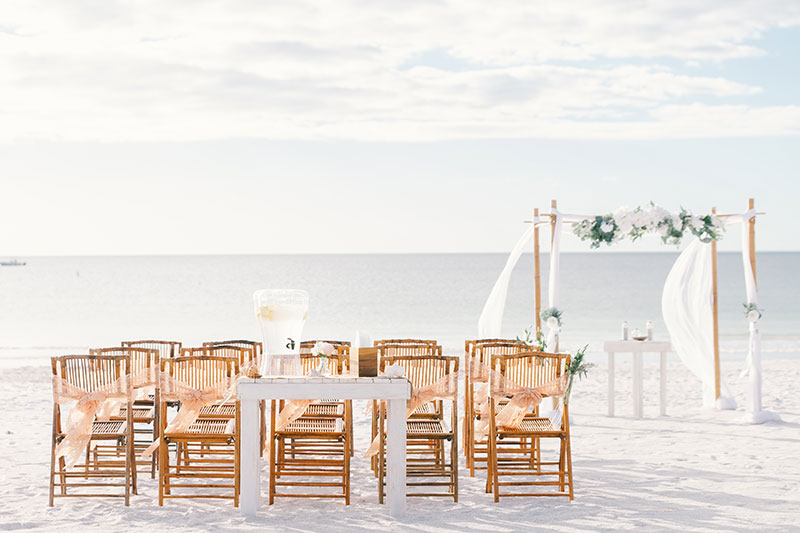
[{"x": 637, "y": 348}]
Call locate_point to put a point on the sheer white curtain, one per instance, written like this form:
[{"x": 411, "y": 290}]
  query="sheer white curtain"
[
  {"x": 753, "y": 363},
  {"x": 490, "y": 323},
  {"x": 687, "y": 308}
]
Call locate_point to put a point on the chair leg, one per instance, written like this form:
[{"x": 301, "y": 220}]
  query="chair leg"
[
  {"x": 52, "y": 469},
  {"x": 272, "y": 455},
  {"x": 128, "y": 474},
  {"x": 569, "y": 468},
  {"x": 163, "y": 468},
  {"x": 562, "y": 464},
  {"x": 381, "y": 456}
]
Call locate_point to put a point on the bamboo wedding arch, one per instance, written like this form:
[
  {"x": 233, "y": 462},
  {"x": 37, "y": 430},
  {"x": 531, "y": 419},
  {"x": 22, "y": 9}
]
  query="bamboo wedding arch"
[{"x": 491, "y": 318}]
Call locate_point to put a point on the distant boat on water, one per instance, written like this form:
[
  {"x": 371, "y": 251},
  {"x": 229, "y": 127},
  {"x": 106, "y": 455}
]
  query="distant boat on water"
[{"x": 12, "y": 263}]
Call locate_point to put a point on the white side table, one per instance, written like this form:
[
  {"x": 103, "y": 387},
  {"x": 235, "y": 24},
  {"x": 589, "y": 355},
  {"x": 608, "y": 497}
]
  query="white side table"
[
  {"x": 637, "y": 348},
  {"x": 395, "y": 391}
]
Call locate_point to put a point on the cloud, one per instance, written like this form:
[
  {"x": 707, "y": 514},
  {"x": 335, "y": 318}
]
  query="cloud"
[{"x": 163, "y": 71}]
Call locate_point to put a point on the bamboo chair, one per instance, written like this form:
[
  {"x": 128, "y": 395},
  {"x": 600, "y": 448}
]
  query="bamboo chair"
[
  {"x": 425, "y": 437},
  {"x": 481, "y": 351},
  {"x": 430, "y": 342},
  {"x": 209, "y": 448},
  {"x": 256, "y": 347},
  {"x": 529, "y": 369},
  {"x": 91, "y": 374},
  {"x": 166, "y": 349},
  {"x": 404, "y": 347},
  {"x": 144, "y": 364},
  {"x": 316, "y": 447}
]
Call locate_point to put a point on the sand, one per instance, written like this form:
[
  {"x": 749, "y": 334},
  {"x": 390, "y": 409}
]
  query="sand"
[{"x": 693, "y": 470}]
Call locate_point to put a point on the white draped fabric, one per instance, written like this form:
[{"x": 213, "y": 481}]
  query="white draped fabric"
[
  {"x": 554, "y": 280},
  {"x": 686, "y": 304},
  {"x": 491, "y": 320},
  {"x": 753, "y": 363}
]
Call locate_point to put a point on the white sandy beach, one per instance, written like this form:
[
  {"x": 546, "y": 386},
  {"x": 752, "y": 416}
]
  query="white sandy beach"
[{"x": 694, "y": 470}]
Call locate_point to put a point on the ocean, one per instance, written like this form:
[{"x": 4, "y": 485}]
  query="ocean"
[{"x": 57, "y": 305}]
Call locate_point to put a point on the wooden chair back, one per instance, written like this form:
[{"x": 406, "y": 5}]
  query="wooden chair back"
[
  {"x": 200, "y": 371},
  {"x": 423, "y": 370},
  {"x": 144, "y": 363},
  {"x": 530, "y": 368},
  {"x": 388, "y": 350},
  {"x": 483, "y": 352},
  {"x": 243, "y": 354},
  {"x": 257, "y": 347},
  {"x": 166, "y": 349},
  {"x": 91, "y": 372},
  {"x": 405, "y": 341}
]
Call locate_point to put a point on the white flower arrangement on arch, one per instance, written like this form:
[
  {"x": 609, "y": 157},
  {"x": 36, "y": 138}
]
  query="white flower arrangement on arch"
[{"x": 650, "y": 219}]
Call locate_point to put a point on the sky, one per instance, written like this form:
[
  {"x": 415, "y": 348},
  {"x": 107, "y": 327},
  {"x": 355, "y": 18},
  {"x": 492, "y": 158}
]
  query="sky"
[{"x": 357, "y": 127}]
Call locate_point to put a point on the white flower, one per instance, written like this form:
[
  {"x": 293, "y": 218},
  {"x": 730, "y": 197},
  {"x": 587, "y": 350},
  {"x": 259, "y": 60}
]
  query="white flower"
[
  {"x": 394, "y": 371},
  {"x": 696, "y": 223},
  {"x": 663, "y": 230},
  {"x": 552, "y": 322},
  {"x": 606, "y": 227},
  {"x": 753, "y": 316},
  {"x": 323, "y": 348},
  {"x": 623, "y": 222}
]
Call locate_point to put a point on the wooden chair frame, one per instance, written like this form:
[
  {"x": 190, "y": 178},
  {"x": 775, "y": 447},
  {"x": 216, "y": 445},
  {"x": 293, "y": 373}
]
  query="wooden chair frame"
[
  {"x": 316, "y": 446},
  {"x": 403, "y": 347},
  {"x": 210, "y": 448},
  {"x": 116, "y": 459},
  {"x": 529, "y": 369},
  {"x": 425, "y": 436},
  {"x": 476, "y": 451},
  {"x": 166, "y": 349},
  {"x": 145, "y": 411}
]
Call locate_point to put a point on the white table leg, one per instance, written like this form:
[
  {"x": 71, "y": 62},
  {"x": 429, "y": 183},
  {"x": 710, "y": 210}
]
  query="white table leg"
[
  {"x": 250, "y": 484},
  {"x": 663, "y": 376},
  {"x": 396, "y": 457},
  {"x": 637, "y": 385},
  {"x": 610, "y": 383}
]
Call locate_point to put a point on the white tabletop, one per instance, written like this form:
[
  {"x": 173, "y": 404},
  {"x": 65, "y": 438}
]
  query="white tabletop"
[
  {"x": 630, "y": 346},
  {"x": 301, "y": 388}
]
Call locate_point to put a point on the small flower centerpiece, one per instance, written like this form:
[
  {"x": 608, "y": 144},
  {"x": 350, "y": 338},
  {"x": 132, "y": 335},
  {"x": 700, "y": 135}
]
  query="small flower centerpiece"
[{"x": 323, "y": 350}]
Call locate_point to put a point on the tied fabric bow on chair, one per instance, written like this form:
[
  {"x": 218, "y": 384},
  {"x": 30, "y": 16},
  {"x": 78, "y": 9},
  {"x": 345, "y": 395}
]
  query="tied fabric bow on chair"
[
  {"x": 445, "y": 388},
  {"x": 523, "y": 399},
  {"x": 101, "y": 404},
  {"x": 192, "y": 402}
]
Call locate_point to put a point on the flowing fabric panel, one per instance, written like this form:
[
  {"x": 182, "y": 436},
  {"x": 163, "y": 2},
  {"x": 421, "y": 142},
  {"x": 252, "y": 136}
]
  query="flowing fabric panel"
[
  {"x": 491, "y": 319},
  {"x": 753, "y": 362},
  {"x": 554, "y": 279},
  {"x": 686, "y": 304}
]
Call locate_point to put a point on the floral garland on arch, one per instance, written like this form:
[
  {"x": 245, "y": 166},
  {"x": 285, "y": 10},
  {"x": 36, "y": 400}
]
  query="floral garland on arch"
[{"x": 652, "y": 218}]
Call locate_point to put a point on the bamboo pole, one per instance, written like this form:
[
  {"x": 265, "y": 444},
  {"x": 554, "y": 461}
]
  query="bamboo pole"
[
  {"x": 553, "y": 229},
  {"x": 752, "y": 229},
  {"x": 715, "y": 312},
  {"x": 537, "y": 274}
]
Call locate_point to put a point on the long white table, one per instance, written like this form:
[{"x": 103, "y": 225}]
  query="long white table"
[
  {"x": 394, "y": 390},
  {"x": 637, "y": 348}
]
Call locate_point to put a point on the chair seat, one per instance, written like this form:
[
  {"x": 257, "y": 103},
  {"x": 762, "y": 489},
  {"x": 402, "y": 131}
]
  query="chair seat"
[
  {"x": 226, "y": 410},
  {"x": 207, "y": 427},
  {"x": 532, "y": 425},
  {"x": 424, "y": 410},
  {"x": 324, "y": 409},
  {"x": 140, "y": 414},
  {"x": 427, "y": 428},
  {"x": 313, "y": 426},
  {"x": 111, "y": 429}
]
